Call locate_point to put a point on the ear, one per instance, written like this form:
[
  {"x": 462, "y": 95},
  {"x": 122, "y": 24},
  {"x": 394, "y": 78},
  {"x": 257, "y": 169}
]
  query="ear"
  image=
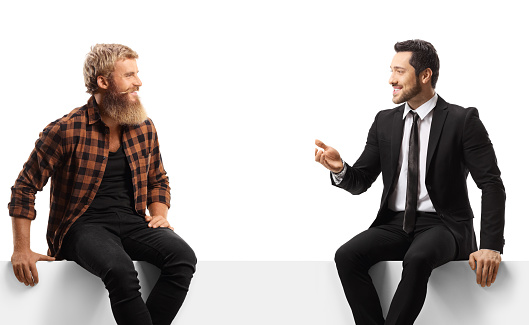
[
  {"x": 425, "y": 76},
  {"x": 102, "y": 82}
]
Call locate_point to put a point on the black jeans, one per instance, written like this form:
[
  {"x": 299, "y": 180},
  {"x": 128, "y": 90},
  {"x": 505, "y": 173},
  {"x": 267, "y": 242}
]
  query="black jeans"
[
  {"x": 105, "y": 245},
  {"x": 431, "y": 245}
]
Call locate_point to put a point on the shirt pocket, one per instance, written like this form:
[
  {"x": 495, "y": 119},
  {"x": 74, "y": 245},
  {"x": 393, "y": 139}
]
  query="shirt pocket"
[{"x": 144, "y": 161}]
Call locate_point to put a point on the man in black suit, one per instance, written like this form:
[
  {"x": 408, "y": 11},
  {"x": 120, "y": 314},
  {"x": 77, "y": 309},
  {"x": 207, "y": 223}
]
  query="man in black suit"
[{"x": 425, "y": 149}]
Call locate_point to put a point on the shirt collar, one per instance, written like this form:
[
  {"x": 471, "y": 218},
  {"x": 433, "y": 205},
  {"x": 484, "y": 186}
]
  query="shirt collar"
[
  {"x": 422, "y": 110},
  {"x": 93, "y": 111}
]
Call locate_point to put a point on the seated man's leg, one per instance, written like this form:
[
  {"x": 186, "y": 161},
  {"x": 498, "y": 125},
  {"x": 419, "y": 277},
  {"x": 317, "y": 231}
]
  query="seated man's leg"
[
  {"x": 432, "y": 246},
  {"x": 163, "y": 248},
  {"x": 357, "y": 256},
  {"x": 97, "y": 249}
]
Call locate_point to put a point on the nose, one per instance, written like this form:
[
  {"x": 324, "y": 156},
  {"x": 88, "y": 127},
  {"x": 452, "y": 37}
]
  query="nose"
[
  {"x": 392, "y": 79},
  {"x": 137, "y": 82}
]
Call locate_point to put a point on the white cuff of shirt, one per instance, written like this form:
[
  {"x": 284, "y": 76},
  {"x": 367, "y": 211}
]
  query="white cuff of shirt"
[{"x": 338, "y": 177}]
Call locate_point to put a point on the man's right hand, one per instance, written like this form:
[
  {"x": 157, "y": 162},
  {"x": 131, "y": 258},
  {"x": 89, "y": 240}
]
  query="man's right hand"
[
  {"x": 328, "y": 157},
  {"x": 25, "y": 265}
]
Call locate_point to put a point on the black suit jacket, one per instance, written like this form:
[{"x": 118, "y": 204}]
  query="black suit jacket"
[{"x": 458, "y": 144}]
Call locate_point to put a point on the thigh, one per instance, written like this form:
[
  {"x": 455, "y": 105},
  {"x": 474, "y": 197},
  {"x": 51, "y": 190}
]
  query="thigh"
[
  {"x": 158, "y": 246},
  {"x": 96, "y": 248},
  {"x": 382, "y": 243},
  {"x": 434, "y": 246}
]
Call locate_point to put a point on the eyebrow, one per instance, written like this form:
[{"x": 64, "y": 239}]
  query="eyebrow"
[{"x": 397, "y": 67}]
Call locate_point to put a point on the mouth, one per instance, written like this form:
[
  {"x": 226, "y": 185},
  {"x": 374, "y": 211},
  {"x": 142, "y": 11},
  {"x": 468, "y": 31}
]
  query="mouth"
[{"x": 396, "y": 90}]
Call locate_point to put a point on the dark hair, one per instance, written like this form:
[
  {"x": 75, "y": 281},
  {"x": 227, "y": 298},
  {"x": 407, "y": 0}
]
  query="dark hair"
[{"x": 423, "y": 56}]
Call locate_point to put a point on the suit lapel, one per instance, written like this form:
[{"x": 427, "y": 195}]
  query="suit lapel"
[
  {"x": 439, "y": 116},
  {"x": 396, "y": 137}
]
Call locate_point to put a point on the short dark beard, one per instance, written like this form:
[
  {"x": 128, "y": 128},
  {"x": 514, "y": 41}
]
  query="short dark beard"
[
  {"x": 118, "y": 107},
  {"x": 409, "y": 94}
]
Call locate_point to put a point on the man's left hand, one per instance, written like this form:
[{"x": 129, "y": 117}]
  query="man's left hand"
[
  {"x": 158, "y": 221},
  {"x": 486, "y": 263}
]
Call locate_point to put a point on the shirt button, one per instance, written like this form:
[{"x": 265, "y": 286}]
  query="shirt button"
[{"x": 104, "y": 158}]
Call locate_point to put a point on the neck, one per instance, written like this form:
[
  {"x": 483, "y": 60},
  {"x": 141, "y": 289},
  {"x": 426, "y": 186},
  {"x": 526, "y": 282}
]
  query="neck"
[
  {"x": 421, "y": 98},
  {"x": 110, "y": 122},
  {"x": 99, "y": 98}
]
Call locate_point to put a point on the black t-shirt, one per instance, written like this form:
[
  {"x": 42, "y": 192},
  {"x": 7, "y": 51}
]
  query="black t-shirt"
[{"x": 115, "y": 192}]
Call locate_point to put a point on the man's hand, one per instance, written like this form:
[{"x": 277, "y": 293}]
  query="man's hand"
[
  {"x": 25, "y": 266},
  {"x": 328, "y": 157},
  {"x": 158, "y": 221},
  {"x": 486, "y": 263}
]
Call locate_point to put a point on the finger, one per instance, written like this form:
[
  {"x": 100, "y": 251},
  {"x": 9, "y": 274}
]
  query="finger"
[
  {"x": 34, "y": 272},
  {"x": 18, "y": 274},
  {"x": 323, "y": 159},
  {"x": 162, "y": 222},
  {"x": 46, "y": 258},
  {"x": 153, "y": 222},
  {"x": 318, "y": 155},
  {"x": 26, "y": 275},
  {"x": 148, "y": 218},
  {"x": 490, "y": 275},
  {"x": 479, "y": 271},
  {"x": 321, "y": 144},
  {"x": 495, "y": 273},
  {"x": 472, "y": 261},
  {"x": 484, "y": 275}
]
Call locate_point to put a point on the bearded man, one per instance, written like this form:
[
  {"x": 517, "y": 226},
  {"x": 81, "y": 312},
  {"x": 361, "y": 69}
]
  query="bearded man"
[
  {"x": 106, "y": 169},
  {"x": 424, "y": 149}
]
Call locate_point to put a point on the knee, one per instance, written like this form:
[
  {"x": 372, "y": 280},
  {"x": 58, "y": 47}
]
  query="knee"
[
  {"x": 120, "y": 277},
  {"x": 419, "y": 262},
  {"x": 346, "y": 257},
  {"x": 181, "y": 260},
  {"x": 341, "y": 256}
]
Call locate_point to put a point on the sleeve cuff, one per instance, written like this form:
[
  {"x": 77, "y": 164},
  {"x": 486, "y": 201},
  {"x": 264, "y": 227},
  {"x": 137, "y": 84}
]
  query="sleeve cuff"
[{"x": 338, "y": 177}]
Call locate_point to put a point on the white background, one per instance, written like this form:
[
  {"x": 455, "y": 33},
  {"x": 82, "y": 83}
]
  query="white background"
[{"x": 239, "y": 90}]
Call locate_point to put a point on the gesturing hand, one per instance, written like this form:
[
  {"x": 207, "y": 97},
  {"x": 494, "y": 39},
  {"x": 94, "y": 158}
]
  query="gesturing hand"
[
  {"x": 486, "y": 263},
  {"x": 25, "y": 266},
  {"x": 158, "y": 221},
  {"x": 328, "y": 157}
]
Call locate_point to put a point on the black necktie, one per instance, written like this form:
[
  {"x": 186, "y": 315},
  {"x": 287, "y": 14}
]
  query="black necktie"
[{"x": 413, "y": 177}]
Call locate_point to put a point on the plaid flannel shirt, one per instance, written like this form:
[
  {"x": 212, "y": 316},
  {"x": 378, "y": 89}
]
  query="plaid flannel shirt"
[{"x": 73, "y": 151}]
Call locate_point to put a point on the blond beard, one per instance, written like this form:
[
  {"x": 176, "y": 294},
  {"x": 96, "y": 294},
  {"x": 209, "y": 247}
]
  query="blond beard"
[{"x": 118, "y": 107}]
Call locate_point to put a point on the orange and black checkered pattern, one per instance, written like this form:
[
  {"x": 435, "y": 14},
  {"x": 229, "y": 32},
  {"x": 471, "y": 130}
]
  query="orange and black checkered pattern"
[{"x": 73, "y": 151}]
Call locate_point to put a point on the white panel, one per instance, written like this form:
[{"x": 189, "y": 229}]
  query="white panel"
[{"x": 264, "y": 293}]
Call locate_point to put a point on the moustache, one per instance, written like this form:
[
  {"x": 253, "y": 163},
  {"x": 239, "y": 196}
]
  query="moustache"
[{"x": 129, "y": 91}]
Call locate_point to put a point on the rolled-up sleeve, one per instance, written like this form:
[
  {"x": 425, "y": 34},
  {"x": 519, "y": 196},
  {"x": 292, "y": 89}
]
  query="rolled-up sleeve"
[
  {"x": 158, "y": 181},
  {"x": 40, "y": 165}
]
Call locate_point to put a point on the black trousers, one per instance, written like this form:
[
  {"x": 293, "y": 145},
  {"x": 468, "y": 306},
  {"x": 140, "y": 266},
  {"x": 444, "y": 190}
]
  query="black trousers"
[
  {"x": 431, "y": 245},
  {"x": 106, "y": 243}
]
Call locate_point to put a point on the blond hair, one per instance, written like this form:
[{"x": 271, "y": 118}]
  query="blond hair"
[{"x": 100, "y": 62}]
